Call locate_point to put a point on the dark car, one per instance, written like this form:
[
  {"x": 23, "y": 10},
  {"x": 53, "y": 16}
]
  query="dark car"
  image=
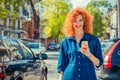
[
  {"x": 20, "y": 62},
  {"x": 53, "y": 46},
  {"x": 111, "y": 67}
]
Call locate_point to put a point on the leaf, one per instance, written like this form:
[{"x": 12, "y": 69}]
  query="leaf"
[
  {"x": 100, "y": 22},
  {"x": 55, "y": 14}
]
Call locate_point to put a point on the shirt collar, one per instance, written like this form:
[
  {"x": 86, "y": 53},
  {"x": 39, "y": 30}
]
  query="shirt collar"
[{"x": 86, "y": 36}]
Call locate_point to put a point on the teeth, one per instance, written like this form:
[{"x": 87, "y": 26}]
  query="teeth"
[{"x": 78, "y": 26}]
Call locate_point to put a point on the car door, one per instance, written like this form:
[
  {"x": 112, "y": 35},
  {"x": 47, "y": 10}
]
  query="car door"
[
  {"x": 35, "y": 72},
  {"x": 116, "y": 56},
  {"x": 115, "y": 59}
]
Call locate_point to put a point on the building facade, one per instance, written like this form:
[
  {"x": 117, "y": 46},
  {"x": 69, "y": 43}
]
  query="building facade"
[{"x": 113, "y": 23}]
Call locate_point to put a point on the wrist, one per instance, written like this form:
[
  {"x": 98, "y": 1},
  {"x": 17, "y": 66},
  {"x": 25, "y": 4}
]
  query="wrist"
[
  {"x": 89, "y": 56},
  {"x": 61, "y": 73},
  {"x": 60, "y": 76}
]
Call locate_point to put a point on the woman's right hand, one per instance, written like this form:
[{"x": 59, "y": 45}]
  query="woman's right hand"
[{"x": 60, "y": 76}]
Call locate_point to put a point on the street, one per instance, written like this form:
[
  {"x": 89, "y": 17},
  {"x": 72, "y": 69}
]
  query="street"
[{"x": 51, "y": 63}]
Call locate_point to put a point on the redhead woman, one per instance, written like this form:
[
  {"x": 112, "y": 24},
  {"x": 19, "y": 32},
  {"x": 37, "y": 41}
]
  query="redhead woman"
[{"x": 80, "y": 50}]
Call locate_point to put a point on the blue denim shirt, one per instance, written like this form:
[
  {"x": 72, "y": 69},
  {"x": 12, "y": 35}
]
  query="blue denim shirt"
[{"x": 74, "y": 64}]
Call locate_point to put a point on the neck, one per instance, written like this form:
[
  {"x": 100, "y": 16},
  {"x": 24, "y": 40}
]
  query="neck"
[{"x": 79, "y": 36}]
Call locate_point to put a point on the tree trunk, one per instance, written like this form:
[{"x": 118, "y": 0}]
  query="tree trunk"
[{"x": 36, "y": 20}]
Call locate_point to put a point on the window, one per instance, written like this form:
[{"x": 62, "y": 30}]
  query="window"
[{"x": 27, "y": 52}]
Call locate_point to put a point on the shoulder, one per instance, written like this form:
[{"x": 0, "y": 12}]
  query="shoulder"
[
  {"x": 65, "y": 39},
  {"x": 91, "y": 36}
]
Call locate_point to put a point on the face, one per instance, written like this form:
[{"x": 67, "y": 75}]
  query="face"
[{"x": 78, "y": 23}]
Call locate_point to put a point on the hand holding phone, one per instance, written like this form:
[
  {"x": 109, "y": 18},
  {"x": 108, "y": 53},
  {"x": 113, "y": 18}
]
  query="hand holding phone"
[{"x": 84, "y": 44}]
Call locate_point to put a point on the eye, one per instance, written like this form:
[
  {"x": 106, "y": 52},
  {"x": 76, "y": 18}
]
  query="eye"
[{"x": 78, "y": 20}]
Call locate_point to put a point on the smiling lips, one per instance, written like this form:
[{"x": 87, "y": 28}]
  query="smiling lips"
[{"x": 78, "y": 26}]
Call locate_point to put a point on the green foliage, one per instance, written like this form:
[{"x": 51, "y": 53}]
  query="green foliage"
[
  {"x": 100, "y": 20},
  {"x": 55, "y": 12},
  {"x": 10, "y": 8}
]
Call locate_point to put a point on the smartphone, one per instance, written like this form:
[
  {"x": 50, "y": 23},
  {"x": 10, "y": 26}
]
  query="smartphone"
[{"x": 84, "y": 44}]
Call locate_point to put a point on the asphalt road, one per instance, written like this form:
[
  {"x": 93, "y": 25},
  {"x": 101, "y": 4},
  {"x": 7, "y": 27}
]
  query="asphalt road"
[{"x": 51, "y": 63}]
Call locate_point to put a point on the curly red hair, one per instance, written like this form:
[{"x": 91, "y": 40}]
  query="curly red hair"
[{"x": 71, "y": 16}]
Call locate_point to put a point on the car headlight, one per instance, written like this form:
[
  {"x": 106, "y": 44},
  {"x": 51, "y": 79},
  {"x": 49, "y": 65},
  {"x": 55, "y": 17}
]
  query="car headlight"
[
  {"x": 16, "y": 73},
  {"x": 29, "y": 68}
]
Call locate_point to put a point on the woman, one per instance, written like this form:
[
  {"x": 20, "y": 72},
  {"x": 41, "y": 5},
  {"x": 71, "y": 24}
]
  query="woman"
[{"x": 76, "y": 62}]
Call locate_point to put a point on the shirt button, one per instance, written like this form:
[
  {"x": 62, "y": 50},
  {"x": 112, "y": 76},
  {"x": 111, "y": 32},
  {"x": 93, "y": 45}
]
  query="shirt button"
[
  {"x": 78, "y": 56},
  {"x": 78, "y": 75},
  {"x": 78, "y": 62},
  {"x": 78, "y": 69}
]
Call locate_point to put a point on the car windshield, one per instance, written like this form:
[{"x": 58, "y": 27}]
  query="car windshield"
[
  {"x": 52, "y": 44},
  {"x": 19, "y": 51},
  {"x": 27, "y": 52},
  {"x": 34, "y": 45},
  {"x": 13, "y": 52},
  {"x": 105, "y": 45}
]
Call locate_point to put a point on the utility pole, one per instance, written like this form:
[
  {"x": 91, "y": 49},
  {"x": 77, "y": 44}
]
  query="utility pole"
[{"x": 118, "y": 9}]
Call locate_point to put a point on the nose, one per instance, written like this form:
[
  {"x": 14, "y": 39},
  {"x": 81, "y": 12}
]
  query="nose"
[{"x": 78, "y": 23}]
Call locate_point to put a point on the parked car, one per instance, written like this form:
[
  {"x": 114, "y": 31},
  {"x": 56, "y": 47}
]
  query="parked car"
[
  {"x": 2, "y": 71},
  {"x": 53, "y": 46},
  {"x": 111, "y": 67},
  {"x": 37, "y": 47},
  {"x": 20, "y": 62},
  {"x": 105, "y": 45}
]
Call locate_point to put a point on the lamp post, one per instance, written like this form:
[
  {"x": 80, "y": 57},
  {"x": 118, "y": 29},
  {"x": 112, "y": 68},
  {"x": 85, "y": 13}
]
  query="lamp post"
[{"x": 118, "y": 9}]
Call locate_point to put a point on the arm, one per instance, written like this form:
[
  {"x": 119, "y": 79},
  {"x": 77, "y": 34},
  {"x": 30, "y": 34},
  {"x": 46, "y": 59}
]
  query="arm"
[
  {"x": 96, "y": 58},
  {"x": 62, "y": 60},
  {"x": 87, "y": 53},
  {"x": 60, "y": 76}
]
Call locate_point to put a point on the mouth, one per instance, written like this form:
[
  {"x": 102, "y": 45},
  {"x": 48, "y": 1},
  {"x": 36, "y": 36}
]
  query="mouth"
[{"x": 78, "y": 26}]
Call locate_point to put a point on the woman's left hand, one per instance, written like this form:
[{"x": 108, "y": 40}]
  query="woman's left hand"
[{"x": 86, "y": 52}]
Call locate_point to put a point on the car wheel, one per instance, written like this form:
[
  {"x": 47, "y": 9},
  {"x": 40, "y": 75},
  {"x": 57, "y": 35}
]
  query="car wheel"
[{"x": 19, "y": 78}]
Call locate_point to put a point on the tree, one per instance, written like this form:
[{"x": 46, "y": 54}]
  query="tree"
[
  {"x": 10, "y": 8},
  {"x": 100, "y": 20},
  {"x": 55, "y": 13},
  {"x": 9, "y": 11},
  {"x": 36, "y": 20}
]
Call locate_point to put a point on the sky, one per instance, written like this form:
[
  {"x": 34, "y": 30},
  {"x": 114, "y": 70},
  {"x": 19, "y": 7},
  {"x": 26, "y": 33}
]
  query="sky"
[
  {"x": 82, "y": 3},
  {"x": 79, "y": 3}
]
